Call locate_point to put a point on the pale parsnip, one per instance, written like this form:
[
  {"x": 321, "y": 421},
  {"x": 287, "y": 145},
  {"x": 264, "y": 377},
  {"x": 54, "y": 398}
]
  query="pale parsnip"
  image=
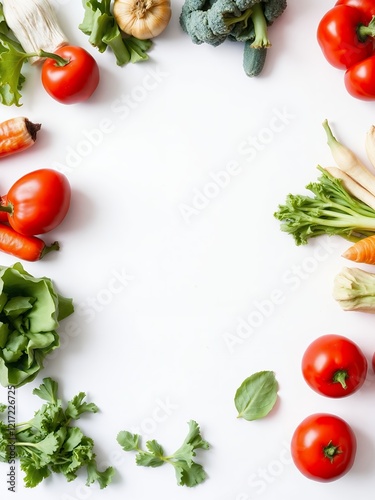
[
  {"x": 35, "y": 25},
  {"x": 349, "y": 162},
  {"x": 352, "y": 186}
]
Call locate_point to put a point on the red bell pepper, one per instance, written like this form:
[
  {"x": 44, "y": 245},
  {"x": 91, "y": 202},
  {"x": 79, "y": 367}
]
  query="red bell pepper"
[{"x": 346, "y": 37}]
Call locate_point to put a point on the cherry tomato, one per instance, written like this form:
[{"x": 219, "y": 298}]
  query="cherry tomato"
[
  {"x": 339, "y": 38},
  {"x": 73, "y": 81},
  {"x": 367, "y": 6},
  {"x": 360, "y": 79},
  {"x": 334, "y": 366},
  {"x": 323, "y": 447},
  {"x": 38, "y": 202}
]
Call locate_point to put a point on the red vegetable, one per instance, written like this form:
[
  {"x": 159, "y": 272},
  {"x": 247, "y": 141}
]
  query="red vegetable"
[
  {"x": 29, "y": 248},
  {"x": 323, "y": 447},
  {"x": 345, "y": 36},
  {"x": 70, "y": 75},
  {"x": 360, "y": 79},
  {"x": 38, "y": 202},
  {"x": 367, "y": 6},
  {"x": 373, "y": 362},
  {"x": 334, "y": 366}
]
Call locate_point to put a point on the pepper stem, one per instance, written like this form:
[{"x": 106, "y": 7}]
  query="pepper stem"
[{"x": 364, "y": 31}]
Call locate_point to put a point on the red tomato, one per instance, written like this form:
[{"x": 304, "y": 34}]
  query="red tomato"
[
  {"x": 334, "y": 366},
  {"x": 74, "y": 81},
  {"x": 38, "y": 201},
  {"x": 323, "y": 447},
  {"x": 367, "y": 6},
  {"x": 360, "y": 79},
  {"x": 339, "y": 38},
  {"x": 373, "y": 362}
]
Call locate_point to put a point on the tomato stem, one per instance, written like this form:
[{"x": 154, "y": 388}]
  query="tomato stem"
[
  {"x": 340, "y": 377},
  {"x": 60, "y": 61},
  {"x": 330, "y": 451}
]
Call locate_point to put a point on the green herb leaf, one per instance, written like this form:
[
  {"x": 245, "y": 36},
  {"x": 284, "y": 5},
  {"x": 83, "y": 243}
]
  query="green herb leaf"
[
  {"x": 76, "y": 407},
  {"x": 256, "y": 396},
  {"x": 48, "y": 390},
  {"x": 49, "y": 443},
  {"x": 128, "y": 441},
  {"x": 103, "y": 478},
  {"x": 188, "y": 473}
]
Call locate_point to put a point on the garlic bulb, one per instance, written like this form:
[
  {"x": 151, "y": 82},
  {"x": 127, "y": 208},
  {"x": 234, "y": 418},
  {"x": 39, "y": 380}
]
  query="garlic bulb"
[
  {"x": 35, "y": 25},
  {"x": 142, "y": 19}
]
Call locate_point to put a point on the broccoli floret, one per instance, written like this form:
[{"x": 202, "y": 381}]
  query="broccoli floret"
[
  {"x": 222, "y": 16},
  {"x": 213, "y": 21},
  {"x": 273, "y": 9}
]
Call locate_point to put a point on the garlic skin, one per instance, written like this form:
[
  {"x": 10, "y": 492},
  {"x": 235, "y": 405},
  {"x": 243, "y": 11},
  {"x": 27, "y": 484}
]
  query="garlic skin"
[
  {"x": 142, "y": 19},
  {"x": 35, "y": 25}
]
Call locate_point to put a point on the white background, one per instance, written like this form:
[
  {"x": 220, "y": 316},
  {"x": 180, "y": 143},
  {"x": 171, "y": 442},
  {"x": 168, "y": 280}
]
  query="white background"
[{"x": 151, "y": 349}]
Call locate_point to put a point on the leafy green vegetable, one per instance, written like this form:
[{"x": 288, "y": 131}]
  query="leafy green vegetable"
[
  {"x": 354, "y": 290},
  {"x": 188, "y": 472},
  {"x": 48, "y": 443},
  {"x": 256, "y": 396},
  {"x": 30, "y": 312},
  {"x": 103, "y": 31},
  {"x": 12, "y": 58},
  {"x": 331, "y": 211}
]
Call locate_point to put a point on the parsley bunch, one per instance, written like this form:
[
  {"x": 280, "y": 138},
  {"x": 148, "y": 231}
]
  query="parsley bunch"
[
  {"x": 188, "y": 472},
  {"x": 49, "y": 443}
]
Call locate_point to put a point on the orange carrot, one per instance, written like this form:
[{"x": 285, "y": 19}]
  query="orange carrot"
[
  {"x": 29, "y": 248},
  {"x": 17, "y": 134},
  {"x": 362, "y": 251}
]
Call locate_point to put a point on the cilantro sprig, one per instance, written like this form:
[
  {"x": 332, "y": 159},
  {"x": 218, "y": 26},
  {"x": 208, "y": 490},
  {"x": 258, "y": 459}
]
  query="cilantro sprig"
[
  {"x": 188, "y": 472},
  {"x": 49, "y": 443}
]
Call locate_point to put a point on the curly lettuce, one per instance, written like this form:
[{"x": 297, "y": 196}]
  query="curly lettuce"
[{"x": 30, "y": 312}]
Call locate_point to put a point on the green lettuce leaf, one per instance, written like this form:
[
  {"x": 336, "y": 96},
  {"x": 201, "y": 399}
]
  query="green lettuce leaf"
[{"x": 30, "y": 312}]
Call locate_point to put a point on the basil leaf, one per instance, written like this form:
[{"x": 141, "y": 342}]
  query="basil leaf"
[{"x": 256, "y": 396}]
